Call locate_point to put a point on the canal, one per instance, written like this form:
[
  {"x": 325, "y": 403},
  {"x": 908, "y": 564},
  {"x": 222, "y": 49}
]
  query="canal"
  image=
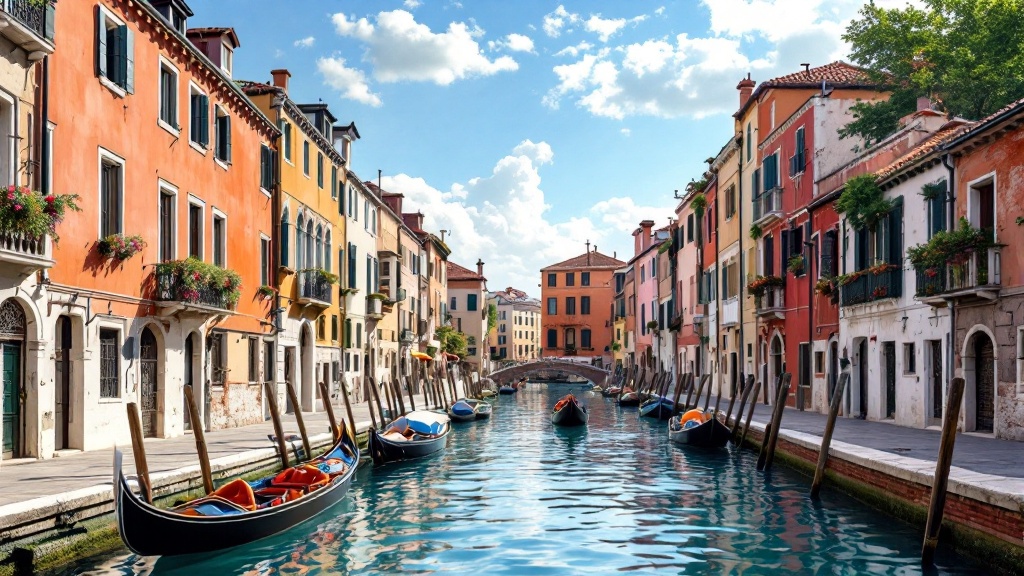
[{"x": 514, "y": 495}]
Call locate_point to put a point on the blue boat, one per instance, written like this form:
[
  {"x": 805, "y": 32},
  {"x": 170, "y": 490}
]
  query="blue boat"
[
  {"x": 507, "y": 389},
  {"x": 658, "y": 407},
  {"x": 461, "y": 411}
]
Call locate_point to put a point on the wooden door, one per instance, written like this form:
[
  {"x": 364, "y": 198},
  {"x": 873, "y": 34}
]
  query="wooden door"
[
  {"x": 863, "y": 358},
  {"x": 936, "y": 378},
  {"x": 11, "y": 356},
  {"x": 289, "y": 371},
  {"x": 62, "y": 397},
  {"x": 189, "y": 379},
  {"x": 984, "y": 384},
  {"x": 889, "y": 351},
  {"x": 148, "y": 361}
]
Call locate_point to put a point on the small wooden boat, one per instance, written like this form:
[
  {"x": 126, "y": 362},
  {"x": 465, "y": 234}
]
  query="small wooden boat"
[
  {"x": 507, "y": 389},
  {"x": 461, "y": 411},
  {"x": 629, "y": 398},
  {"x": 658, "y": 407},
  {"x": 482, "y": 409},
  {"x": 569, "y": 412},
  {"x": 487, "y": 393},
  {"x": 698, "y": 428},
  {"x": 238, "y": 512},
  {"x": 609, "y": 392},
  {"x": 418, "y": 433}
]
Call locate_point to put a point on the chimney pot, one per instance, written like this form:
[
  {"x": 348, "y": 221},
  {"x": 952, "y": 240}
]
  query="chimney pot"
[
  {"x": 281, "y": 76},
  {"x": 479, "y": 267},
  {"x": 746, "y": 88},
  {"x": 924, "y": 103}
]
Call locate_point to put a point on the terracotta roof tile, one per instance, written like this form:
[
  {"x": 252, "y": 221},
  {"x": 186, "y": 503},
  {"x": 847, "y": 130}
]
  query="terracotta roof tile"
[
  {"x": 835, "y": 73},
  {"x": 998, "y": 116},
  {"x": 931, "y": 144},
  {"x": 596, "y": 260},
  {"x": 255, "y": 88},
  {"x": 456, "y": 272}
]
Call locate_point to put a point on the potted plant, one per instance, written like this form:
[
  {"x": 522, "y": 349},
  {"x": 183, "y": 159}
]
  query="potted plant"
[
  {"x": 265, "y": 292},
  {"x": 755, "y": 231},
  {"x": 863, "y": 202},
  {"x": 192, "y": 278},
  {"x": 825, "y": 285},
  {"x": 760, "y": 285},
  {"x": 121, "y": 247},
  {"x": 431, "y": 350},
  {"x": 30, "y": 215},
  {"x": 879, "y": 292},
  {"x": 348, "y": 291},
  {"x": 795, "y": 264},
  {"x": 652, "y": 325}
]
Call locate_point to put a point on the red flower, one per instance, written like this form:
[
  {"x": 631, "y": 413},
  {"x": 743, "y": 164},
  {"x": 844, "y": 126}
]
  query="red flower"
[
  {"x": 50, "y": 199},
  {"x": 12, "y": 188}
]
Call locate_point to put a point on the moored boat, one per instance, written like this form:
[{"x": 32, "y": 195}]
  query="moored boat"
[
  {"x": 507, "y": 389},
  {"x": 461, "y": 411},
  {"x": 569, "y": 412},
  {"x": 698, "y": 428},
  {"x": 629, "y": 398},
  {"x": 238, "y": 512},
  {"x": 612, "y": 391},
  {"x": 658, "y": 407},
  {"x": 482, "y": 409},
  {"x": 419, "y": 433}
]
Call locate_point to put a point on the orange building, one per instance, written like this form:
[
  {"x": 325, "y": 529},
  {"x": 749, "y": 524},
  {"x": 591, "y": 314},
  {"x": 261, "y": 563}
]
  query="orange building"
[
  {"x": 156, "y": 282},
  {"x": 575, "y": 298}
]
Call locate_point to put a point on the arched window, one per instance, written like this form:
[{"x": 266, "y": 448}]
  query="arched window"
[
  {"x": 310, "y": 255},
  {"x": 284, "y": 239},
  {"x": 327, "y": 251},
  {"x": 300, "y": 263},
  {"x": 319, "y": 246}
]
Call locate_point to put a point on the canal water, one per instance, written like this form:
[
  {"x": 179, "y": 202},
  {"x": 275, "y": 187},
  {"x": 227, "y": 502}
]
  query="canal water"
[{"x": 515, "y": 495}]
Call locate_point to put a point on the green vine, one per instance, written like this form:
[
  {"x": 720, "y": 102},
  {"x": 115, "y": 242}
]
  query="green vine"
[
  {"x": 755, "y": 231},
  {"x": 194, "y": 275},
  {"x": 862, "y": 202},
  {"x": 795, "y": 264},
  {"x": 933, "y": 191},
  {"x": 699, "y": 203}
]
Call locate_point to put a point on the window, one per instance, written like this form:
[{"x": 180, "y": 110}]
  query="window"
[
  {"x": 267, "y": 161},
  {"x": 254, "y": 359},
  {"x": 643, "y": 273},
  {"x": 797, "y": 161},
  {"x": 265, "y": 257},
  {"x": 305, "y": 158},
  {"x": 584, "y": 304},
  {"x": 454, "y": 300},
  {"x": 584, "y": 278},
  {"x": 819, "y": 361},
  {"x": 552, "y": 280},
  {"x": 320, "y": 170},
  {"x": 749, "y": 142},
  {"x": 110, "y": 363},
  {"x": 334, "y": 182},
  {"x": 286, "y": 139},
  {"x": 689, "y": 228},
  {"x": 199, "y": 118},
  {"x": 471, "y": 302},
  {"x": 111, "y": 194},
  {"x": 585, "y": 338},
  {"x": 169, "y": 95},
  {"x": 552, "y": 338},
  {"x": 227, "y": 57},
  {"x": 223, "y": 131},
  {"x": 351, "y": 265},
  {"x": 268, "y": 361},
  {"x": 1020, "y": 361},
  {"x": 570, "y": 279},
  {"x": 115, "y": 51},
  {"x": 552, "y": 305},
  {"x": 334, "y": 327},
  {"x": 167, "y": 228},
  {"x": 770, "y": 172},
  {"x": 909, "y": 365},
  {"x": 195, "y": 231},
  {"x": 219, "y": 240},
  {"x": 321, "y": 328},
  {"x": 935, "y": 196},
  {"x": 730, "y": 202},
  {"x": 570, "y": 304},
  {"x": 829, "y": 255}
]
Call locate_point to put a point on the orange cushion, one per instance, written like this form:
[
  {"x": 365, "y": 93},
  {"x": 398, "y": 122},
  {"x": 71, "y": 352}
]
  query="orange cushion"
[{"x": 237, "y": 492}]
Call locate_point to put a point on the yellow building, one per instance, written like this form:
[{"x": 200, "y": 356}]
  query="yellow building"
[
  {"x": 731, "y": 336},
  {"x": 311, "y": 235}
]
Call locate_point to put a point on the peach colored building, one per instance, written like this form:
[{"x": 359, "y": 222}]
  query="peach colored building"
[{"x": 161, "y": 144}]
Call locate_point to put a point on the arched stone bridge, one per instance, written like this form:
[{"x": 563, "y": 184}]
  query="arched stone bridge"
[{"x": 519, "y": 371}]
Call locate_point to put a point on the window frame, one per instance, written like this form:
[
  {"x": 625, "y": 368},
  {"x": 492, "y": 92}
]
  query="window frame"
[
  {"x": 227, "y": 58},
  {"x": 172, "y": 125},
  {"x": 266, "y": 258},
  {"x": 909, "y": 361},
  {"x": 219, "y": 112},
  {"x": 200, "y": 145},
  {"x": 269, "y": 368},
  {"x": 195, "y": 201},
  {"x": 117, "y": 331},
  {"x": 1020, "y": 361},
  {"x": 305, "y": 158},
  {"x": 286, "y": 139},
  {"x": 552, "y": 280},
  {"x": 107, "y": 157},
  {"x": 165, "y": 188},
  {"x": 103, "y": 16},
  {"x": 219, "y": 215},
  {"x": 584, "y": 278},
  {"x": 253, "y": 359}
]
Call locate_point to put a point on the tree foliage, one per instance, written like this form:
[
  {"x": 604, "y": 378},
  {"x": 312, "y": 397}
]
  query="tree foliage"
[
  {"x": 965, "y": 54},
  {"x": 452, "y": 341},
  {"x": 862, "y": 202},
  {"x": 492, "y": 317}
]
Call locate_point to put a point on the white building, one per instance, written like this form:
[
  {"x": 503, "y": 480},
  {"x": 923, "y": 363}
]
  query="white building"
[{"x": 361, "y": 279}]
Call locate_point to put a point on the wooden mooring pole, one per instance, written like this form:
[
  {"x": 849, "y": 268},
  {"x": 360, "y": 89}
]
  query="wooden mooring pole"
[
  {"x": 376, "y": 398},
  {"x": 826, "y": 436},
  {"x": 766, "y": 436},
  {"x": 748, "y": 383},
  {"x": 199, "y": 433},
  {"x": 275, "y": 416},
  {"x": 777, "y": 422},
  {"x": 139, "y": 451},
  {"x": 325, "y": 393},
  {"x": 700, "y": 390},
  {"x": 689, "y": 392},
  {"x": 298, "y": 419},
  {"x": 750, "y": 412},
  {"x": 945, "y": 459},
  {"x": 408, "y": 389},
  {"x": 680, "y": 382},
  {"x": 348, "y": 408},
  {"x": 369, "y": 404}
]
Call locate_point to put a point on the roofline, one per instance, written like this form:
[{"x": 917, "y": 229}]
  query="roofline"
[{"x": 981, "y": 129}]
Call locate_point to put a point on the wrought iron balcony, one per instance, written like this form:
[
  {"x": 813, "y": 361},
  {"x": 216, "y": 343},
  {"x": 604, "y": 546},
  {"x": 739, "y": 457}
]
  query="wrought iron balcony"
[
  {"x": 314, "y": 288},
  {"x": 175, "y": 294},
  {"x": 24, "y": 253},
  {"x": 768, "y": 205},
  {"x": 772, "y": 304},
  {"x": 869, "y": 285},
  {"x": 28, "y": 24},
  {"x": 978, "y": 275}
]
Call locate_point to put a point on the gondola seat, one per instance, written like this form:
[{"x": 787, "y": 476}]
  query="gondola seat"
[
  {"x": 239, "y": 493},
  {"x": 306, "y": 478}
]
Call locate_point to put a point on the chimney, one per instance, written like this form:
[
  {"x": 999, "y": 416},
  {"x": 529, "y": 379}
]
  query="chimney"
[
  {"x": 746, "y": 88},
  {"x": 479, "y": 267},
  {"x": 645, "y": 234},
  {"x": 281, "y": 76},
  {"x": 924, "y": 103}
]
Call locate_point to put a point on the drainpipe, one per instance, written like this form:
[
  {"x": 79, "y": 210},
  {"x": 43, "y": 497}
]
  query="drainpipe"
[
  {"x": 44, "y": 140},
  {"x": 950, "y": 219},
  {"x": 740, "y": 296},
  {"x": 718, "y": 285}
]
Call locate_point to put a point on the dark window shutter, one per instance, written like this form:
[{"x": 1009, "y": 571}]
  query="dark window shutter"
[
  {"x": 827, "y": 266},
  {"x": 784, "y": 252},
  {"x": 895, "y": 231},
  {"x": 755, "y": 184},
  {"x": 769, "y": 256},
  {"x": 860, "y": 256},
  {"x": 227, "y": 138},
  {"x": 204, "y": 120},
  {"x": 101, "y": 43}
]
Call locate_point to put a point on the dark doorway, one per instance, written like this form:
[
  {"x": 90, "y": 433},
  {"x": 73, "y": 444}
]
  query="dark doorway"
[
  {"x": 936, "y": 378},
  {"x": 12, "y": 399},
  {"x": 984, "y": 383},
  {"x": 148, "y": 358},
  {"x": 862, "y": 358},
  {"x": 190, "y": 348},
  {"x": 833, "y": 369},
  {"x": 289, "y": 376},
  {"x": 889, "y": 355},
  {"x": 62, "y": 397}
]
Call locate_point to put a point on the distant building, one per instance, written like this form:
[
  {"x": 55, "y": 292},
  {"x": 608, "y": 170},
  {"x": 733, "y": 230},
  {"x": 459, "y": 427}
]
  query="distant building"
[
  {"x": 517, "y": 335},
  {"x": 467, "y": 295},
  {"x": 575, "y": 297}
]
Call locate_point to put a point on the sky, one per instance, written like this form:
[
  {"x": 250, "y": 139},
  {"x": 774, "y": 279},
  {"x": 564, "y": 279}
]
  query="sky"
[{"x": 527, "y": 128}]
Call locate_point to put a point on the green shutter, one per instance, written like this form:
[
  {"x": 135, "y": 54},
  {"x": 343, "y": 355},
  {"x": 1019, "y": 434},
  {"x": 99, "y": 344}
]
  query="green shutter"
[
  {"x": 204, "y": 120},
  {"x": 227, "y": 138},
  {"x": 895, "y": 231}
]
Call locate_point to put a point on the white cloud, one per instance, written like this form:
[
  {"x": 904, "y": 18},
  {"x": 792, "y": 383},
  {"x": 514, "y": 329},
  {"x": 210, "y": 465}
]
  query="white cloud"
[
  {"x": 401, "y": 49},
  {"x": 305, "y": 42},
  {"x": 605, "y": 29},
  {"x": 488, "y": 214},
  {"x": 519, "y": 43},
  {"x": 556, "y": 21},
  {"x": 659, "y": 11},
  {"x": 576, "y": 50},
  {"x": 350, "y": 82},
  {"x": 626, "y": 132},
  {"x": 411, "y": 4}
]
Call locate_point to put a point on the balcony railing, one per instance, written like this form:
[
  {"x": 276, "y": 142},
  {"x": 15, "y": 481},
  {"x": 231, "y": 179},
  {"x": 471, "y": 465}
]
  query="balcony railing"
[
  {"x": 314, "y": 288},
  {"x": 869, "y": 286},
  {"x": 979, "y": 272},
  {"x": 407, "y": 336},
  {"x": 730, "y": 311},
  {"x": 773, "y": 303},
  {"x": 25, "y": 253},
  {"x": 170, "y": 288},
  {"x": 29, "y": 24},
  {"x": 768, "y": 204}
]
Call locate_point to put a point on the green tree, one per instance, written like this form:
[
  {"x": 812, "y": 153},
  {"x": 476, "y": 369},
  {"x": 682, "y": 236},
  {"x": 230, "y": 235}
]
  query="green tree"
[
  {"x": 452, "y": 341},
  {"x": 492, "y": 317},
  {"x": 966, "y": 55}
]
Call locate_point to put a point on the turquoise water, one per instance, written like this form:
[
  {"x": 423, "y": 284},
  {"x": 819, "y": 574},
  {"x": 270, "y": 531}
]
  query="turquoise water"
[{"x": 515, "y": 495}]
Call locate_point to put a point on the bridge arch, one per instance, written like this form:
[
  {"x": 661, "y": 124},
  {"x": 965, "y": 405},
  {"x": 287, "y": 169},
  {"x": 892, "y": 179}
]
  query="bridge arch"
[{"x": 520, "y": 371}]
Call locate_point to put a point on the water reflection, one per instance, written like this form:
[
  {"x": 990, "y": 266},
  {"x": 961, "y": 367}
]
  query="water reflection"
[{"x": 517, "y": 495}]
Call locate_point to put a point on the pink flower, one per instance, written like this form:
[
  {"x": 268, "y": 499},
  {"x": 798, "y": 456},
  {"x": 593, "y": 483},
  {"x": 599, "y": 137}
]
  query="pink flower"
[
  {"x": 10, "y": 195},
  {"x": 17, "y": 207},
  {"x": 12, "y": 188}
]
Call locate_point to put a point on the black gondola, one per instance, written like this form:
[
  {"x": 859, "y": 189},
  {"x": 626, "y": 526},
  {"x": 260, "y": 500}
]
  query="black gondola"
[
  {"x": 658, "y": 407},
  {"x": 422, "y": 433},
  {"x": 239, "y": 512},
  {"x": 709, "y": 434},
  {"x": 569, "y": 412},
  {"x": 629, "y": 399}
]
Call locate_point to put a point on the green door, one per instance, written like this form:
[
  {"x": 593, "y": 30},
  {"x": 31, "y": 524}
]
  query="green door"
[{"x": 12, "y": 399}]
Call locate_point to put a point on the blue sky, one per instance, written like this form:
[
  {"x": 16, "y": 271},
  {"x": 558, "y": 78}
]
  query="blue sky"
[{"x": 524, "y": 127}]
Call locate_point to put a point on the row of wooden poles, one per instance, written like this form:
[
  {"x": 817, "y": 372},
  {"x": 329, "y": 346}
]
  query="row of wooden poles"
[
  {"x": 659, "y": 384},
  {"x": 435, "y": 395}
]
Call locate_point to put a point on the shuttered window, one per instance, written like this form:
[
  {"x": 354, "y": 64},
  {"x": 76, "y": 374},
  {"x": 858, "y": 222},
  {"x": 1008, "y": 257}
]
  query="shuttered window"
[
  {"x": 770, "y": 167},
  {"x": 267, "y": 160},
  {"x": 199, "y": 119},
  {"x": 223, "y": 122},
  {"x": 828, "y": 259}
]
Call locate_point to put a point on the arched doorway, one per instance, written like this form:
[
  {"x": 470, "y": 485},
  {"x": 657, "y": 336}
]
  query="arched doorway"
[
  {"x": 62, "y": 376},
  {"x": 190, "y": 379},
  {"x": 777, "y": 364},
  {"x": 12, "y": 340},
  {"x": 307, "y": 368},
  {"x": 148, "y": 360},
  {"x": 981, "y": 383}
]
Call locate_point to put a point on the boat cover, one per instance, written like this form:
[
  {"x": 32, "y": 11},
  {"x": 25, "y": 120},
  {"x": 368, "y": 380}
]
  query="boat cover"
[{"x": 462, "y": 408}]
